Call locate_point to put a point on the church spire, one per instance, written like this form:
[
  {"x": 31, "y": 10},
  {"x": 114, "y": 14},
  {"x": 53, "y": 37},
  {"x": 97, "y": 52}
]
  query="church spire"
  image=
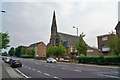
[{"x": 54, "y": 25}]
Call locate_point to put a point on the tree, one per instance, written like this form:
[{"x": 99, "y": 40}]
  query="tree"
[
  {"x": 50, "y": 51},
  {"x": 81, "y": 46},
  {"x": 11, "y": 51},
  {"x": 114, "y": 44},
  {"x": 4, "y": 54},
  {"x": 18, "y": 51},
  {"x": 4, "y": 40},
  {"x": 61, "y": 49},
  {"x": 56, "y": 51}
]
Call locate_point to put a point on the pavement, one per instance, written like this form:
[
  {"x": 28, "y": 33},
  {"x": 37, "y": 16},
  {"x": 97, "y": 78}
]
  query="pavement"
[{"x": 13, "y": 75}]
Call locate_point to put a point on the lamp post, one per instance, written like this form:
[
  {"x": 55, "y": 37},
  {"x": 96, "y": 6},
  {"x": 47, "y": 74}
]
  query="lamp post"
[
  {"x": 3, "y": 11},
  {"x": 77, "y": 37}
]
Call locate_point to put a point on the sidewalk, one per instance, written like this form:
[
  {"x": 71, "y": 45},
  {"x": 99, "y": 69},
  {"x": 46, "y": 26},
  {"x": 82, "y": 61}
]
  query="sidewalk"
[{"x": 12, "y": 73}]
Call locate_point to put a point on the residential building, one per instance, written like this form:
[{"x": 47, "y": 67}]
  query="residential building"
[
  {"x": 40, "y": 49},
  {"x": 103, "y": 44}
]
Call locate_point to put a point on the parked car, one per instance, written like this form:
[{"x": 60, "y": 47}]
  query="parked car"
[
  {"x": 7, "y": 59},
  {"x": 51, "y": 60},
  {"x": 14, "y": 62}
]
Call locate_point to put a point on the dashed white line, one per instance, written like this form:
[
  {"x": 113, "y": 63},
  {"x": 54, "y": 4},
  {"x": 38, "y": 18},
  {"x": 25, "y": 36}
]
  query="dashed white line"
[
  {"x": 22, "y": 74},
  {"x": 63, "y": 68},
  {"x": 29, "y": 68},
  {"x": 39, "y": 71},
  {"x": 25, "y": 66},
  {"x": 108, "y": 76},
  {"x": 77, "y": 70},
  {"x": 55, "y": 77},
  {"x": 33, "y": 69},
  {"x": 47, "y": 74},
  {"x": 112, "y": 76}
]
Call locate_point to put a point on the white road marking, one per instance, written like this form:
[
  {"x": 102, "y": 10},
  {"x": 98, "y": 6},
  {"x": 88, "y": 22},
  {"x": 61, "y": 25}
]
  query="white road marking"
[
  {"x": 47, "y": 74},
  {"x": 63, "y": 68},
  {"x": 39, "y": 71},
  {"x": 108, "y": 76},
  {"x": 77, "y": 70},
  {"x": 55, "y": 77},
  {"x": 29, "y": 68},
  {"x": 22, "y": 74},
  {"x": 112, "y": 76},
  {"x": 25, "y": 66},
  {"x": 33, "y": 69}
]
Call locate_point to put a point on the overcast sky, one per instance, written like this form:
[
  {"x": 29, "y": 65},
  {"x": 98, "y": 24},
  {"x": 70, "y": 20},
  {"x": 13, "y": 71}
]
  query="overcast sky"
[{"x": 30, "y": 22}]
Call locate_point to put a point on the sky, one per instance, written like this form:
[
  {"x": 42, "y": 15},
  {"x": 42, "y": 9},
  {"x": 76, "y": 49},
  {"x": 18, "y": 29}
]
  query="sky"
[{"x": 29, "y": 21}]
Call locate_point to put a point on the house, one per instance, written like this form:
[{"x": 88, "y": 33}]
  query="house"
[
  {"x": 40, "y": 49},
  {"x": 103, "y": 44}
]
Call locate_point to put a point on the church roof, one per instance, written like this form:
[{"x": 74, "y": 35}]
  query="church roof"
[
  {"x": 118, "y": 26},
  {"x": 66, "y": 37}
]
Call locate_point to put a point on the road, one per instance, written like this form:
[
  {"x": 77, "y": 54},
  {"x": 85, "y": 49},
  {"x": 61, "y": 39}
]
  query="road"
[{"x": 40, "y": 69}]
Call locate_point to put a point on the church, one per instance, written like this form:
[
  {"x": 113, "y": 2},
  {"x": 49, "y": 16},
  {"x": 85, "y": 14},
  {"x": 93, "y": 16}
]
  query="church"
[{"x": 57, "y": 38}]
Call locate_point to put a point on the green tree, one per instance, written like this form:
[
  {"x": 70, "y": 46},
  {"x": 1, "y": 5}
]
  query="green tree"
[
  {"x": 4, "y": 54},
  {"x": 61, "y": 50},
  {"x": 31, "y": 51},
  {"x": 50, "y": 51},
  {"x": 11, "y": 51},
  {"x": 114, "y": 44},
  {"x": 4, "y": 40},
  {"x": 81, "y": 46},
  {"x": 56, "y": 51}
]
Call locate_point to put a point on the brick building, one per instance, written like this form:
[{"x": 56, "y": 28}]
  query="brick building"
[
  {"x": 103, "y": 45},
  {"x": 40, "y": 49}
]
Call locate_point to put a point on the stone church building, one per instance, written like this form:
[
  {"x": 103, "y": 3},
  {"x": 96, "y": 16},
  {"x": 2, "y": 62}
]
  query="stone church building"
[{"x": 57, "y": 38}]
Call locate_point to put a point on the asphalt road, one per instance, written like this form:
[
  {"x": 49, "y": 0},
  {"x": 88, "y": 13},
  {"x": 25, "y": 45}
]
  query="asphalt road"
[{"x": 40, "y": 69}]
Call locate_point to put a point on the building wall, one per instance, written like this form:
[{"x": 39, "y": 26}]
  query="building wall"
[
  {"x": 93, "y": 52},
  {"x": 101, "y": 42},
  {"x": 41, "y": 52}
]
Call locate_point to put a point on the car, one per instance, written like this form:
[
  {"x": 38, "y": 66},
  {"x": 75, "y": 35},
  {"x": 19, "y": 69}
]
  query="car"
[
  {"x": 7, "y": 59},
  {"x": 51, "y": 60},
  {"x": 14, "y": 62}
]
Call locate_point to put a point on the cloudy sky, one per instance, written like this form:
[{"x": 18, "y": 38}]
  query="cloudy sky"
[{"x": 30, "y": 21}]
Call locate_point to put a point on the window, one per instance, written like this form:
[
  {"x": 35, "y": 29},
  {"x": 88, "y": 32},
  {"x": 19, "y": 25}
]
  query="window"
[
  {"x": 89, "y": 50},
  {"x": 105, "y": 38},
  {"x": 105, "y": 48}
]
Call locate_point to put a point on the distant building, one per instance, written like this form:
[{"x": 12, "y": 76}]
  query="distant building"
[
  {"x": 40, "y": 49},
  {"x": 103, "y": 45}
]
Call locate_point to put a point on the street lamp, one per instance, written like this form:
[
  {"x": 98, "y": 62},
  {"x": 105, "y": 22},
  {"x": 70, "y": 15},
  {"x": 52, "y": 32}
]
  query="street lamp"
[
  {"x": 3, "y": 11},
  {"x": 77, "y": 37}
]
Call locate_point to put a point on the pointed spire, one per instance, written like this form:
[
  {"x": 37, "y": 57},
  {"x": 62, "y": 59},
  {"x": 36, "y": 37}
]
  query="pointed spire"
[{"x": 54, "y": 25}]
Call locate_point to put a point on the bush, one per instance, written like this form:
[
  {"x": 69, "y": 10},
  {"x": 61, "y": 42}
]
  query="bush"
[
  {"x": 41, "y": 58},
  {"x": 27, "y": 56},
  {"x": 4, "y": 54},
  {"x": 100, "y": 60}
]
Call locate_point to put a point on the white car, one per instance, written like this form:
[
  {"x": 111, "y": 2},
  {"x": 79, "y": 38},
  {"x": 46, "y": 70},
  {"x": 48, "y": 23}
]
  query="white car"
[
  {"x": 7, "y": 59},
  {"x": 51, "y": 60}
]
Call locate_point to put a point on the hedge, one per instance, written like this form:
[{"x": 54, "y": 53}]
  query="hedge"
[
  {"x": 27, "y": 56},
  {"x": 41, "y": 58},
  {"x": 100, "y": 60}
]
